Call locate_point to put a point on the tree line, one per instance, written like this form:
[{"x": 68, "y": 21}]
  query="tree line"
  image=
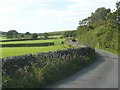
[
  {"x": 101, "y": 28},
  {"x": 14, "y": 34}
]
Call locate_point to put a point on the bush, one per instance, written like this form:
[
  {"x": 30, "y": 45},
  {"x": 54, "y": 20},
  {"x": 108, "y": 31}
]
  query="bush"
[
  {"x": 34, "y": 36},
  {"x": 11, "y": 40},
  {"x": 27, "y": 45},
  {"x": 42, "y": 69}
]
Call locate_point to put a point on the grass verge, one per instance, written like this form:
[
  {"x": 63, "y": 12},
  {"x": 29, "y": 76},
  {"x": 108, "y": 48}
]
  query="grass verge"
[
  {"x": 109, "y": 50},
  {"x": 16, "y": 51},
  {"x": 40, "y": 70}
]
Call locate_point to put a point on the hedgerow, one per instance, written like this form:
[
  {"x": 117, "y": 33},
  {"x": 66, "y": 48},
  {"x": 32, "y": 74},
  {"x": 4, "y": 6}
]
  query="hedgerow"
[
  {"x": 27, "y": 45},
  {"x": 40, "y": 70},
  {"x": 11, "y": 40}
]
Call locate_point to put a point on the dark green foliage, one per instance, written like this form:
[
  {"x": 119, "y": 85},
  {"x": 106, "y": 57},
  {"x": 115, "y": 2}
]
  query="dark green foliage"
[
  {"x": 40, "y": 70},
  {"x": 19, "y": 36},
  {"x": 22, "y": 35},
  {"x": 66, "y": 34},
  {"x": 34, "y": 36},
  {"x": 101, "y": 30},
  {"x": 27, "y": 33},
  {"x": 12, "y": 34},
  {"x": 46, "y": 35},
  {"x": 22, "y": 39},
  {"x": 69, "y": 34},
  {"x": 118, "y": 5},
  {"x": 27, "y": 45},
  {"x": 100, "y": 14},
  {"x": 2, "y": 33}
]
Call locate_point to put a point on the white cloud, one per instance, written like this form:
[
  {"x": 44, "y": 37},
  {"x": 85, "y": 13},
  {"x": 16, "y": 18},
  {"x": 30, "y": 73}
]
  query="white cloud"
[
  {"x": 90, "y": 4},
  {"x": 42, "y": 14},
  {"x": 7, "y": 10},
  {"x": 47, "y": 12}
]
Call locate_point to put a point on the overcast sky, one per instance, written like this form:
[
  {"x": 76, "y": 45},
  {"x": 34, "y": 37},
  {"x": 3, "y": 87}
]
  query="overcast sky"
[{"x": 47, "y": 15}]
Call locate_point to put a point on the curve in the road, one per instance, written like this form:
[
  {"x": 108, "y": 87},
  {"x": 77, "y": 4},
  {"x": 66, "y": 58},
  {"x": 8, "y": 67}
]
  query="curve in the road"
[{"x": 101, "y": 74}]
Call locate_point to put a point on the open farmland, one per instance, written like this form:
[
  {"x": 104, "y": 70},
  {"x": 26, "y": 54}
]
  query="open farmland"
[
  {"x": 3, "y": 38},
  {"x": 15, "y": 51},
  {"x": 43, "y": 50},
  {"x": 28, "y": 71},
  {"x": 55, "y": 36},
  {"x": 51, "y": 36},
  {"x": 33, "y": 41}
]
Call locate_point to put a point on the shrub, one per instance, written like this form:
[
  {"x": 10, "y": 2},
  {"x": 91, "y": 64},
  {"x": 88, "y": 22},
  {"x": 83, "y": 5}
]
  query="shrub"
[
  {"x": 27, "y": 45},
  {"x": 42, "y": 69}
]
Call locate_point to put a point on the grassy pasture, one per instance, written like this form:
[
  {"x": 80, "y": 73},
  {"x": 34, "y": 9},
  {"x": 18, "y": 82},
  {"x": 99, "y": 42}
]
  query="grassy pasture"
[
  {"x": 3, "y": 38},
  {"x": 56, "y": 41},
  {"x": 55, "y": 36},
  {"x": 15, "y": 51},
  {"x": 40, "y": 36}
]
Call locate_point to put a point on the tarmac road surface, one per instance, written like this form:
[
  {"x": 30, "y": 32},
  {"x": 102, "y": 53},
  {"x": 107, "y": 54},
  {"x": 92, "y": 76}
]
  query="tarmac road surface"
[{"x": 101, "y": 74}]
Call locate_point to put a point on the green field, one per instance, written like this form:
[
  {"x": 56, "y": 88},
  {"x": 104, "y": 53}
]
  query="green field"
[
  {"x": 3, "y": 38},
  {"x": 41, "y": 37},
  {"x": 56, "y": 41},
  {"x": 15, "y": 51},
  {"x": 55, "y": 36}
]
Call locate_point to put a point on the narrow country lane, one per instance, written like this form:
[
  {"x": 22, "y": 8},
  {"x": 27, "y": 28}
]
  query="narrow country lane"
[{"x": 101, "y": 74}]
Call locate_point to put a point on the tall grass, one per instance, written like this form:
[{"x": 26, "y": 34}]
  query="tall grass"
[{"x": 40, "y": 70}]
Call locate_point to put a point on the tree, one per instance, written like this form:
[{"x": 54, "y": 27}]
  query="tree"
[
  {"x": 118, "y": 12},
  {"x": 101, "y": 30},
  {"x": 22, "y": 35},
  {"x": 46, "y": 35},
  {"x": 69, "y": 34},
  {"x": 100, "y": 14},
  {"x": 66, "y": 34},
  {"x": 12, "y": 34},
  {"x": 99, "y": 17},
  {"x": 34, "y": 36},
  {"x": 19, "y": 36},
  {"x": 72, "y": 34},
  {"x": 27, "y": 33},
  {"x": 118, "y": 5}
]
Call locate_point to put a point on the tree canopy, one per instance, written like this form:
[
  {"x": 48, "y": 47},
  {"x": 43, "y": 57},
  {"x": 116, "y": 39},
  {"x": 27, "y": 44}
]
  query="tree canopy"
[
  {"x": 46, "y": 35},
  {"x": 34, "y": 36},
  {"x": 101, "y": 29},
  {"x": 12, "y": 34}
]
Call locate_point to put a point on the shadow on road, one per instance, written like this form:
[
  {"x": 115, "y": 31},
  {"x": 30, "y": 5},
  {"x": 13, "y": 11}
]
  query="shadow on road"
[
  {"x": 99, "y": 56},
  {"x": 86, "y": 70}
]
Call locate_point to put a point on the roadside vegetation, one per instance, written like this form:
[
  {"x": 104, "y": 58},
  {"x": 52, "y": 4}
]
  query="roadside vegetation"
[
  {"x": 40, "y": 70},
  {"x": 39, "y": 66},
  {"x": 33, "y": 41},
  {"x": 31, "y": 67},
  {"x": 100, "y": 30}
]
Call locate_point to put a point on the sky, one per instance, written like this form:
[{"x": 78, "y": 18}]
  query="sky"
[{"x": 38, "y": 16}]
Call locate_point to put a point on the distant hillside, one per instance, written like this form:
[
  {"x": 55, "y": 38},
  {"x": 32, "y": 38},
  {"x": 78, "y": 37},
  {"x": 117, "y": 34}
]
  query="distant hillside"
[
  {"x": 50, "y": 33},
  {"x": 57, "y": 32},
  {"x": 2, "y": 33}
]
